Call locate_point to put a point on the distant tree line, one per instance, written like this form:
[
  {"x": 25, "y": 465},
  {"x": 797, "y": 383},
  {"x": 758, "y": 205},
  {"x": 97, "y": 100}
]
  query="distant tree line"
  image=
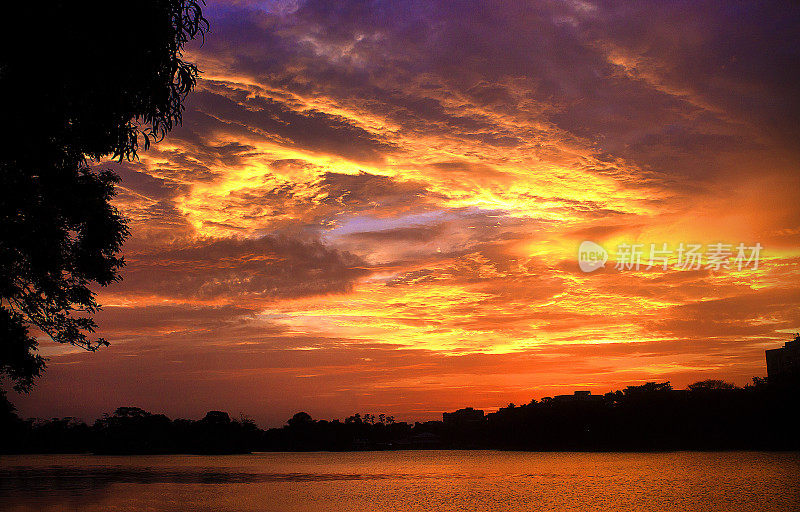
[
  {"x": 709, "y": 415},
  {"x": 130, "y": 430}
]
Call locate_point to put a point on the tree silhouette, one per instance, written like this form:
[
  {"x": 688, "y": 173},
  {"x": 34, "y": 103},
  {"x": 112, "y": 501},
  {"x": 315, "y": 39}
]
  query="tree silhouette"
[
  {"x": 300, "y": 419},
  {"x": 711, "y": 385},
  {"x": 79, "y": 81}
]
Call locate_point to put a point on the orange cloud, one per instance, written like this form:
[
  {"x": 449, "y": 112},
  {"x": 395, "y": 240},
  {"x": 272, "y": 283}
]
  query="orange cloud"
[{"x": 366, "y": 209}]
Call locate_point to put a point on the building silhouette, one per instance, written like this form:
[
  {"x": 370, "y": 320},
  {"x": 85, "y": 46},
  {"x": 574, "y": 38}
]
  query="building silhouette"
[
  {"x": 578, "y": 396},
  {"x": 783, "y": 364},
  {"x": 464, "y": 416}
]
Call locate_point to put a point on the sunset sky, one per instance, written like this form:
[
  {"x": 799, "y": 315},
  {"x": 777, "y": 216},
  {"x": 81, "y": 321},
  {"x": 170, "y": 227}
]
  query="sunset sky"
[{"x": 377, "y": 207}]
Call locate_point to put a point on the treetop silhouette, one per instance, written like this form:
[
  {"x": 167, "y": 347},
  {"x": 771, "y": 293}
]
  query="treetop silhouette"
[{"x": 79, "y": 81}]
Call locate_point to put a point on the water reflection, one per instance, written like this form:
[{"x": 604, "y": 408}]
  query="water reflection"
[{"x": 427, "y": 480}]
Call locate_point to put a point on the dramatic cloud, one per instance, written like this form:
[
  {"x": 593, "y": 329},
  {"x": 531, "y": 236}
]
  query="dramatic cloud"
[
  {"x": 266, "y": 267},
  {"x": 378, "y": 205}
]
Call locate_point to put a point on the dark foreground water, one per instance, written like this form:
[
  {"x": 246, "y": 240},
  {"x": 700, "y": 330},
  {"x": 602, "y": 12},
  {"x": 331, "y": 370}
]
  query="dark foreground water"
[{"x": 405, "y": 481}]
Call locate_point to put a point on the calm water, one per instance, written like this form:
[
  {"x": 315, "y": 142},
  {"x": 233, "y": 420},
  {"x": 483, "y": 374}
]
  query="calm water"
[{"x": 404, "y": 481}]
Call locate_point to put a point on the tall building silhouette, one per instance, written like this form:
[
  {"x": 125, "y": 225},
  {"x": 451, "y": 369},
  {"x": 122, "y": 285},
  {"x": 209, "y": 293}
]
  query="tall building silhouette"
[{"x": 784, "y": 363}]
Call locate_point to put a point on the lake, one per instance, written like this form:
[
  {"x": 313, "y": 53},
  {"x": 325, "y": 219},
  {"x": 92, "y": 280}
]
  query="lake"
[{"x": 404, "y": 481}]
